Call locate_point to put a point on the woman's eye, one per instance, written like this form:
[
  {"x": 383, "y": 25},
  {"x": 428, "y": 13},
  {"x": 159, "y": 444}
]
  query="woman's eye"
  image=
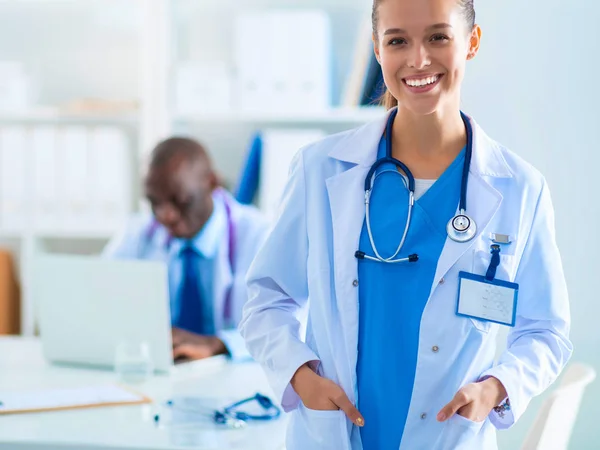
[
  {"x": 439, "y": 38},
  {"x": 396, "y": 41}
]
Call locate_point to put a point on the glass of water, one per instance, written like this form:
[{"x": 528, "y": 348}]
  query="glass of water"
[{"x": 133, "y": 362}]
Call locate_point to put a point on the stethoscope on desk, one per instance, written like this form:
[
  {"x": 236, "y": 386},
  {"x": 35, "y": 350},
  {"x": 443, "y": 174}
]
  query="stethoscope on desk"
[
  {"x": 229, "y": 415},
  {"x": 461, "y": 228},
  {"x": 155, "y": 226}
]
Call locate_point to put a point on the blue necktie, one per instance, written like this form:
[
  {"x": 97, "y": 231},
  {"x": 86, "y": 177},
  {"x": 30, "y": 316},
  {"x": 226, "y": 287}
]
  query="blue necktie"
[{"x": 190, "y": 300}]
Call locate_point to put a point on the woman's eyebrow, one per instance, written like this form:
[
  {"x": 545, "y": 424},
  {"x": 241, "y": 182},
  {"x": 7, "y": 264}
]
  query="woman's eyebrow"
[{"x": 436, "y": 26}]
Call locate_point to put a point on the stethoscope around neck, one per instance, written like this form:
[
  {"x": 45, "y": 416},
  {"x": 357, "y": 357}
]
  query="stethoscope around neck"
[{"x": 460, "y": 228}]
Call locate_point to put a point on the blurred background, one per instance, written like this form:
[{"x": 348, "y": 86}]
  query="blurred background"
[{"x": 88, "y": 87}]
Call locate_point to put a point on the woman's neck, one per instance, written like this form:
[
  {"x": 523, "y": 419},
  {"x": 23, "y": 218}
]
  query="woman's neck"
[{"x": 438, "y": 135}]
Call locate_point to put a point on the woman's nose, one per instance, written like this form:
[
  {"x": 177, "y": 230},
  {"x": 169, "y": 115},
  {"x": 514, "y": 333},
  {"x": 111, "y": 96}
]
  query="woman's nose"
[{"x": 418, "y": 57}]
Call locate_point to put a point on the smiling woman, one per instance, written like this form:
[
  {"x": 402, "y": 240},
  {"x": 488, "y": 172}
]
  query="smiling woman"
[
  {"x": 401, "y": 334},
  {"x": 420, "y": 48}
]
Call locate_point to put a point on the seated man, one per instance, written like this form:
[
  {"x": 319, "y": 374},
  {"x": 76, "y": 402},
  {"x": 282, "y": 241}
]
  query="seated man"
[{"x": 208, "y": 241}]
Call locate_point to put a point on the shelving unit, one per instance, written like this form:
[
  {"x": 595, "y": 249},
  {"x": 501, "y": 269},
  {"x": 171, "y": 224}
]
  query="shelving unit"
[
  {"x": 337, "y": 116},
  {"x": 110, "y": 49},
  {"x": 54, "y": 118}
]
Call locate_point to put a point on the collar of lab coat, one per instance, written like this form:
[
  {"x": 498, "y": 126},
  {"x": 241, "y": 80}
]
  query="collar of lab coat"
[{"x": 360, "y": 147}]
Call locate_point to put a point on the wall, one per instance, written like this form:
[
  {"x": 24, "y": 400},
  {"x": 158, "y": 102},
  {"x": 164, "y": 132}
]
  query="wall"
[{"x": 534, "y": 88}]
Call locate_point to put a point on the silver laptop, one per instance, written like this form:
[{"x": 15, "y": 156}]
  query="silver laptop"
[{"x": 86, "y": 306}]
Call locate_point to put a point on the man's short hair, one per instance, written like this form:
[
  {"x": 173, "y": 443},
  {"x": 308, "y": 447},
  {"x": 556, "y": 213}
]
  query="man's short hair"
[{"x": 177, "y": 147}]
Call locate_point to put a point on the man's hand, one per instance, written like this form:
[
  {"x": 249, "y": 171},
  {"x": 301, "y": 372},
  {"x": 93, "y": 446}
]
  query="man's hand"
[
  {"x": 321, "y": 394},
  {"x": 187, "y": 345},
  {"x": 475, "y": 401}
]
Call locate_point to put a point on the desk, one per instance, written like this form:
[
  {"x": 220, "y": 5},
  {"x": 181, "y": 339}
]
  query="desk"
[{"x": 22, "y": 366}]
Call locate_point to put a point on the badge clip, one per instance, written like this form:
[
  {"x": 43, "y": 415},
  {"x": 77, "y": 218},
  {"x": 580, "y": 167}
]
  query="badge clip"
[{"x": 498, "y": 238}]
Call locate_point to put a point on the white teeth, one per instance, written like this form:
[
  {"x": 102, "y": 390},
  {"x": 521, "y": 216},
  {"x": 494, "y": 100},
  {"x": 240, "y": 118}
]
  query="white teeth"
[{"x": 422, "y": 82}]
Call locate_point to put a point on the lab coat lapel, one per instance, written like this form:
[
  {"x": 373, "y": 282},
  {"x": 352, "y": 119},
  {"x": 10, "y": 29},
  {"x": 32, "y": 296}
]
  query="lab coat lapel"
[
  {"x": 346, "y": 199},
  {"x": 483, "y": 200},
  {"x": 355, "y": 155}
]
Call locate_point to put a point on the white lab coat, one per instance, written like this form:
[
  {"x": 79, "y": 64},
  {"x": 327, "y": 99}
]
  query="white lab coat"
[
  {"x": 250, "y": 228},
  {"x": 310, "y": 255}
]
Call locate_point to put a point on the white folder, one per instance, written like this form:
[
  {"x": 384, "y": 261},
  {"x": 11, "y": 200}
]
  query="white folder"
[
  {"x": 252, "y": 57},
  {"x": 278, "y": 150},
  {"x": 14, "y": 178},
  {"x": 72, "y": 145},
  {"x": 283, "y": 61},
  {"x": 46, "y": 201},
  {"x": 110, "y": 176}
]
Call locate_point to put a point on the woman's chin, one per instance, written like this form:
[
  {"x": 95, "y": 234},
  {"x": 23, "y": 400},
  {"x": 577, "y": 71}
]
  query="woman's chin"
[{"x": 421, "y": 108}]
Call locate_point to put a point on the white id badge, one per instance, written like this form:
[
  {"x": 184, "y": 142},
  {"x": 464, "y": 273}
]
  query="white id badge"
[{"x": 491, "y": 300}]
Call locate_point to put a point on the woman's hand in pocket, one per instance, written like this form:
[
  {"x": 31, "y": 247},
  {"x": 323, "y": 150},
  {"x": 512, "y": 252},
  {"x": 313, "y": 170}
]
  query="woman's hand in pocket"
[
  {"x": 321, "y": 394},
  {"x": 475, "y": 401}
]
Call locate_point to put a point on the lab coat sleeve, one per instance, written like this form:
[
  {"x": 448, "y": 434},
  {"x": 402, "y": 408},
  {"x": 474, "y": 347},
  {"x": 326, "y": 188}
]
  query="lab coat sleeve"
[
  {"x": 277, "y": 290},
  {"x": 538, "y": 347}
]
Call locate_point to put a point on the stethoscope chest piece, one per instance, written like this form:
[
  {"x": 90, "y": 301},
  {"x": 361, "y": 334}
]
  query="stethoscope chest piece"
[{"x": 461, "y": 228}]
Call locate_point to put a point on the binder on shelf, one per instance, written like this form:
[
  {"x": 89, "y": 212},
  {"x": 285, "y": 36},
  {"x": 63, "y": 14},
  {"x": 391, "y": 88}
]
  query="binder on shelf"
[
  {"x": 46, "y": 202},
  {"x": 363, "y": 49},
  {"x": 279, "y": 146},
  {"x": 72, "y": 145},
  {"x": 291, "y": 72},
  {"x": 14, "y": 178},
  {"x": 365, "y": 85},
  {"x": 249, "y": 180},
  {"x": 202, "y": 88},
  {"x": 66, "y": 178},
  {"x": 252, "y": 59},
  {"x": 110, "y": 176}
]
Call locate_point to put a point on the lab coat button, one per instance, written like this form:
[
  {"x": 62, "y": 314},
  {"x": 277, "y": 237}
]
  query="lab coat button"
[
  {"x": 355, "y": 283},
  {"x": 423, "y": 416},
  {"x": 435, "y": 349},
  {"x": 442, "y": 281}
]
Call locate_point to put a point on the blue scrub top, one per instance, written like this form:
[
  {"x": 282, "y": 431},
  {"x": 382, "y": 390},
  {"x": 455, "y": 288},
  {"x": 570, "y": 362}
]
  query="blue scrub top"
[{"x": 392, "y": 296}]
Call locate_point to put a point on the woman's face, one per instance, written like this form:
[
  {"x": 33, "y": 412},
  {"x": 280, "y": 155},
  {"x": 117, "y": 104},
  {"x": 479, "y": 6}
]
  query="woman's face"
[{"x": 423, "y": 47}]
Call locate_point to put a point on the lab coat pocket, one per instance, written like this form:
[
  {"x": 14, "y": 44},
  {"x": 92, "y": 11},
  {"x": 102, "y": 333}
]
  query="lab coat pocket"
[
  {"x": 459, "y": 433},
  {"x": 318, "y": 430}
]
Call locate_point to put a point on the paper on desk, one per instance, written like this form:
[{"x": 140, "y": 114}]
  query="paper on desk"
[{"x": 55, "y": 399}]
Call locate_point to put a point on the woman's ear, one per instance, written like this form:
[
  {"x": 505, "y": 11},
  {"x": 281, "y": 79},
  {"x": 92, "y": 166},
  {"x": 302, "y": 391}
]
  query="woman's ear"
[
  {"x": 376, "y": 47},
  {"x": 474, "y": 42}
]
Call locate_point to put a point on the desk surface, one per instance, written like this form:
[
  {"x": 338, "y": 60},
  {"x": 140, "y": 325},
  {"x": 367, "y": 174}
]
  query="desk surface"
[{"x": 22, "y": 366}]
